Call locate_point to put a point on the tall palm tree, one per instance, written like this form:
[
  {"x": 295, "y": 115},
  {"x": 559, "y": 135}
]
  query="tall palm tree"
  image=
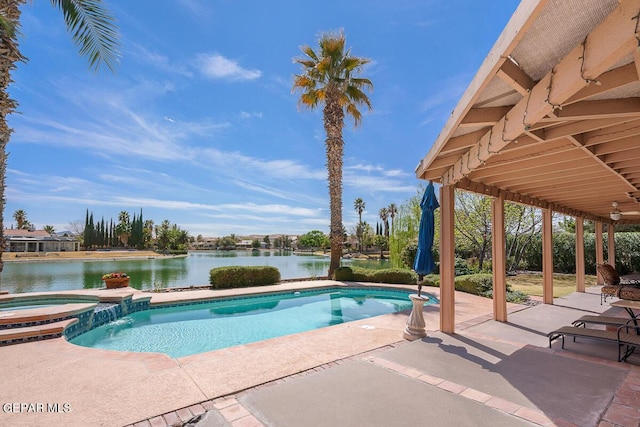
[
  {"x": 384, "y": 216},
  {"x": 359, "y": 205},
  {"x": 328, "y": 78},
  {"x": 393, "y": 210},
  {"x": 92, "y": 29},
  {"x": 49, "y": 229}
]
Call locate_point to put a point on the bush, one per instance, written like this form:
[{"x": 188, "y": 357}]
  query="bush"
[
  {"x": 474, "y": 283},
  {"x": 408, "y": 254},
  {"x": 387, "y": 275},
  {"x": 462, "y": 267},
  {"x": 482, "y": 285},
  {"x": 242, "y": 277},
  {"x": 343, "y": 274}
]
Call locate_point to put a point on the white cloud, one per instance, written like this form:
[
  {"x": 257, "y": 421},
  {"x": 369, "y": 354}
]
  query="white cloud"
[
  {"x": 246, "y": 116},
  {"x": 159, "y": 61},
  {"x": 216, "y": 66}
]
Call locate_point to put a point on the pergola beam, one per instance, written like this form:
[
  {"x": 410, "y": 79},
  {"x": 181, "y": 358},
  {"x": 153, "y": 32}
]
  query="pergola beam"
[
  {"x": 620, "y": 131},
  {"x": 600, "y": 109},
  {"x": 607, "y": 81},
  {"x": 484, "y": 116},
  {"x": 575, "y": 128},
  {"x": 515, "y": 77},
  {"x": 486, "y": 190}
]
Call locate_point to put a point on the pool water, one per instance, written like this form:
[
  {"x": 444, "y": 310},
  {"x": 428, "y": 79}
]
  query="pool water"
[
  {"x": 195, "y": 328},
  {"x": 25, "y": 307}
]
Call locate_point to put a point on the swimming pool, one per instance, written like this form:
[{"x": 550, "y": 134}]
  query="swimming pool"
[{"x": 195, "y": 328}]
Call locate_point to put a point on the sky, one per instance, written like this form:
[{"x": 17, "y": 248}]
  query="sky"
[{"x": 199, "y": 125}]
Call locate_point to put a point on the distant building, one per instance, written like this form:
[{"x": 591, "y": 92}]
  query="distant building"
[
  {"x": 38, "y": 241},
  {"x": 206, "y": 244},
  {"x": 244, "y": 244}
]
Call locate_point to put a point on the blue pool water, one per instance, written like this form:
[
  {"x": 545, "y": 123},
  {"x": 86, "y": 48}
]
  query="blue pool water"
[{"x": 196, "y": 328}]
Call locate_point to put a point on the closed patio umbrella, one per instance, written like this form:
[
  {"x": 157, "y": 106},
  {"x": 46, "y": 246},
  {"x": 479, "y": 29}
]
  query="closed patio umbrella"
[{"x": 424, "y": 263}]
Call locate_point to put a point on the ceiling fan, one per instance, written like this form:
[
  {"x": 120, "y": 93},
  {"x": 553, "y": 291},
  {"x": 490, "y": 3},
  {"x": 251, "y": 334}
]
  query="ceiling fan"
[{"x": 616, "y": 213}]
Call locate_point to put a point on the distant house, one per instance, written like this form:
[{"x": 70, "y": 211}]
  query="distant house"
[
  {"x": 244, "y": 244},
  {"x": 206, "y": 244},
  {"x": 38, "y": 241}
]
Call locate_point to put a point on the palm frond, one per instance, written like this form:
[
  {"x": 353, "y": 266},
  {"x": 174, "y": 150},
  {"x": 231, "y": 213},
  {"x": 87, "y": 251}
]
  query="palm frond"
[{"x": 93, "y": 30}]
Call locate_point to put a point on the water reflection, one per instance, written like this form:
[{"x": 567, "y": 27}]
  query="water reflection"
[{"x": 192, "y": 270}]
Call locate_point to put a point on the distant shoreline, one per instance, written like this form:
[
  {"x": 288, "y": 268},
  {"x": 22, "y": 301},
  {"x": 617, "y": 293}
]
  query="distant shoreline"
[{"x": 82, "y": 256}]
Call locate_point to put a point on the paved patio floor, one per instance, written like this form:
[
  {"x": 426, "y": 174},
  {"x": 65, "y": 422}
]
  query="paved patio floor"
[{"x": 354, "y": 374}]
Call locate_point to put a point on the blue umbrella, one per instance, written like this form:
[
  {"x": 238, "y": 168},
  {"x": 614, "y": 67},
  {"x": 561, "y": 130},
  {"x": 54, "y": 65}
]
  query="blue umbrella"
[{"x": 424, "y": 263}]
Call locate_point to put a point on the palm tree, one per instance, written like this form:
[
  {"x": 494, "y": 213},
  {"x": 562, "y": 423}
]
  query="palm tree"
[
  {"x": 359, "y": 206},
  {"x": 92, "y": 29},
  {"x": 328, "y": 78},
  {"x": 384, "y": 216},
  {"x": 393, "y": 210},
  {"x": 49, "y": 229},
  {"x": 21, "y": 219}
]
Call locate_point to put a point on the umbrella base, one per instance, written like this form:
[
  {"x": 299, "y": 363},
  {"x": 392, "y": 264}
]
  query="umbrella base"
[{"x": 415, "y": 324}]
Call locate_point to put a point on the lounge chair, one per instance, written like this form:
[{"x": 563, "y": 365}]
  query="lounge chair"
[
  {"x": 600, "y": 320},
  {"x": 620, "y": 336}
]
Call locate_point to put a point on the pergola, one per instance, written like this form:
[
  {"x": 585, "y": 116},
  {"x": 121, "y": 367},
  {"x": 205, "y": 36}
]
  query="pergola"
[{"x": 551, "y": 120}]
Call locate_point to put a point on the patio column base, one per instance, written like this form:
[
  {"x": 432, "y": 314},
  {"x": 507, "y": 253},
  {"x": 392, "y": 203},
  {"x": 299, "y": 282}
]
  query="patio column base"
[{"x": 415, "y": 324}]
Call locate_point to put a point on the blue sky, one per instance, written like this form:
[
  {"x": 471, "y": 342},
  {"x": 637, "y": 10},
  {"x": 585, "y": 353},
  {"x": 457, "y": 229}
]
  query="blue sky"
[{"x": 199, "y": 125}]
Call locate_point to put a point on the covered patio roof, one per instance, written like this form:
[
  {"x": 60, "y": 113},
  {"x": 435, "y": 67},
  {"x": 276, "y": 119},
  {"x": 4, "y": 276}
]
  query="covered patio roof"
[{"x": 552, "y": 117}]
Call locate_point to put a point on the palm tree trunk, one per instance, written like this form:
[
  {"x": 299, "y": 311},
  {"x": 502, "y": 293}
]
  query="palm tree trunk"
[
  {"x": 9, "y": 56},
  {"x": 333, "y": 124}
]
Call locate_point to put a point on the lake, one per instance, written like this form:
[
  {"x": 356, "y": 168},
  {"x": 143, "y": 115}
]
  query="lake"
[{"x": 191, "y": 270}]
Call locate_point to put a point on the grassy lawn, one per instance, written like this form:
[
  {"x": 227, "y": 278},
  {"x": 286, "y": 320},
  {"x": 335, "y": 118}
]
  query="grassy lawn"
[{"x": 563, "y": 284}]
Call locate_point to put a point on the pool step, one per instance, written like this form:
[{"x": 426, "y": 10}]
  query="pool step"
[
  {"x": 34, "y": 333},
  {"x": 39, "y": 316}
]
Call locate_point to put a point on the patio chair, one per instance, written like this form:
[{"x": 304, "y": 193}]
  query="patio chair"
[
  {"x": 611, "y": 278},
  {"x": 620, "y": 336}
]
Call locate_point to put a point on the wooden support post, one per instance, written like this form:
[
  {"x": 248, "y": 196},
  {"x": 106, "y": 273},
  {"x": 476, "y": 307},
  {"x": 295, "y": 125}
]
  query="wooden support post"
[
  {"x": 611, "y": 240},
  {"x": 580, "y": 271},
  {"x": 599, "y": 251},
  {"x": 499, "y": 260},
  {"x": 547, "y": 256},
  {"x": 447, "y": 260}
]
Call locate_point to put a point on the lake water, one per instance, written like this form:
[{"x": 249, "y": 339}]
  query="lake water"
[{"x": 193, "y": 270}]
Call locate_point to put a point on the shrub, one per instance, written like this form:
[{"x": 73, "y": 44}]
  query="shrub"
[
  {"x": 462, "y": 267},
  {"x": 241, "y": 277},
  {"x": 517, "y": 297},
  {"x": 408, "y": 254},
  {"x": 344, "y": 274},
  {"x": 474, "y": 283},
  {"x": 482, "y": 284},
  {"x": 388, "y": 275}
]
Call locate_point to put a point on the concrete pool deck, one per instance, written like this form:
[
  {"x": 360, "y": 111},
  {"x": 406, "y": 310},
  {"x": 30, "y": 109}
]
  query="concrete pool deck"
[{"x": 337, "y": 375}]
